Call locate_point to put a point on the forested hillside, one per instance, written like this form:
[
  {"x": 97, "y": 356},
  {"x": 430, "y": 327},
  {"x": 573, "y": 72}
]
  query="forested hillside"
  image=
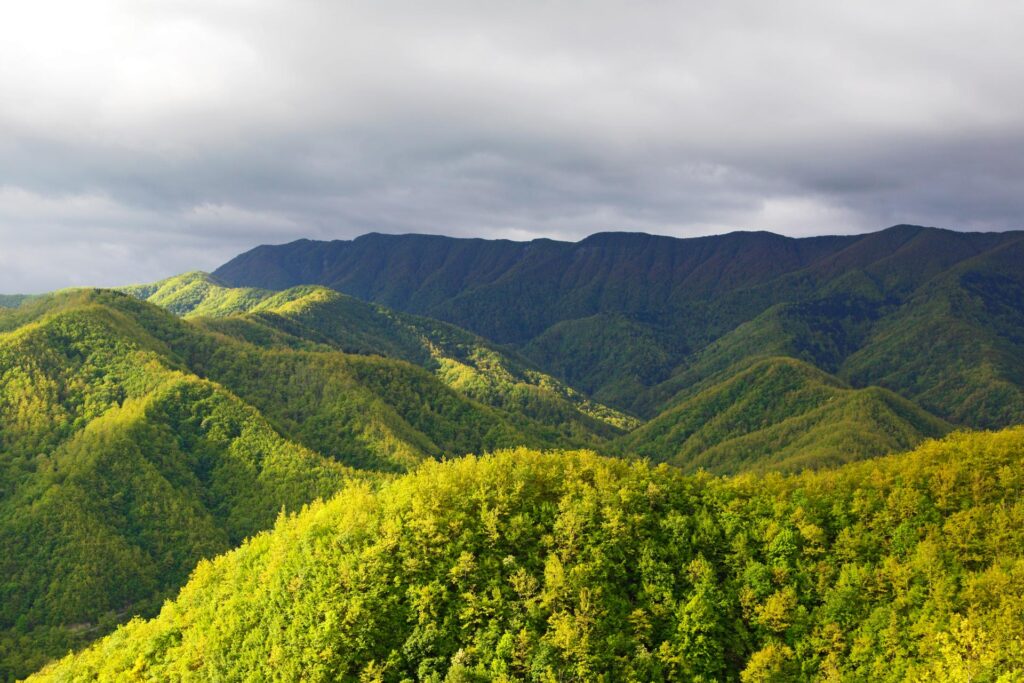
[
  {"x": 147, "y": 430},
  {"x": 308, "y": 317},
  {"x": 780, "y": 413},
  {"x": 738, "y": 409},
  {"x": 629, "y": 319},
  {"x": 134, "y": 443},
  {"x": 570, "y": 567}
]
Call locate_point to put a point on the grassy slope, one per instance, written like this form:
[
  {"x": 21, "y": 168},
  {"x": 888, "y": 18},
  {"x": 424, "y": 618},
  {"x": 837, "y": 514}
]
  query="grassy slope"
[
  {"x": 571, "y": 567},
  {"x": 779, "y": 413}
]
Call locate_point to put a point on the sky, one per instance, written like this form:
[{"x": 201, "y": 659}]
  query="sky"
[{"x": 143, "y": 138}]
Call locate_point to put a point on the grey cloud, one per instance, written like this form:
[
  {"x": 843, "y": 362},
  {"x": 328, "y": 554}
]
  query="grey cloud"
[{"x": 142, "y": 139}]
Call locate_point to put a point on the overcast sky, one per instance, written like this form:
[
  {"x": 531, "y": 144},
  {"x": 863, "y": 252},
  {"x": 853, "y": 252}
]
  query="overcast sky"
[{"x": 143, "y": 138}]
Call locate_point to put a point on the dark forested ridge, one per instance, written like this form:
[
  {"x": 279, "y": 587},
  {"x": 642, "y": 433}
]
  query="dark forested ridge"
[
  {"x": 570, "y": 567},
  {"x": 626, "y": 317}
]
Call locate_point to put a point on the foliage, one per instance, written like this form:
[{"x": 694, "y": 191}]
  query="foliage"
[
  {"x": 780, "y": 413},
  {"x": 311, "y": 317},
  {"x": 570, "y": 567},
  {"x": 119, "y": 472},
  {"x": 133, "y": 443},
  {"x": 633, "y": 320}
]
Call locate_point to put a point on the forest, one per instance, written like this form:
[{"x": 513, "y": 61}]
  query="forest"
[
  {"x": 746, "y": 475},
  {"x": 565, "y": 566}
]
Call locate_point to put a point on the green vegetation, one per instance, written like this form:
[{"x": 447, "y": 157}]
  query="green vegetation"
[
  {"x": 312, "y": 317},
  {"x": 570, "y": 567},
  {"x": 196, "y": 293},
  {"x": 12, "y": 300},
  {"x": 147, "y": 431},
  {"x": 780, "y": 413},
  {"x": 933, "y": 315},
  {"x": 133, "y": 443},
  {"x": 957, "y": 346},
  {"x": 119, "y": 472}
]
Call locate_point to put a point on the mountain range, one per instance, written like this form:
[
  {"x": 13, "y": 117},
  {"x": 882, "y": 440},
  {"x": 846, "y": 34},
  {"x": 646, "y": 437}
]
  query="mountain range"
[
  {"x": 632, "y": 319},
  {"x": 148, "y": 428}
]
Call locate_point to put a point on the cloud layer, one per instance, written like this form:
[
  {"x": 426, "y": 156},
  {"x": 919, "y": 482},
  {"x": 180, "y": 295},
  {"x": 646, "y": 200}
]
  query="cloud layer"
[{"x": 140, "y": 139}]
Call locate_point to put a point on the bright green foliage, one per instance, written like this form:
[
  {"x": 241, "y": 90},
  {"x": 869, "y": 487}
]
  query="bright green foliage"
[
  {"x": 303, "y": 317},
  {"x": 119, "y": 471},
  {"x": 780, "y": 413},
  {"x": 133, "y": 443},
  {"x": 570, "y": 567},
  {"x": 196, "y": 293}
]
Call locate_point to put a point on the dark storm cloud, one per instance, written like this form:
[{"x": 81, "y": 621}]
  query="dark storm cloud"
[{"x": 142, "y": 139}]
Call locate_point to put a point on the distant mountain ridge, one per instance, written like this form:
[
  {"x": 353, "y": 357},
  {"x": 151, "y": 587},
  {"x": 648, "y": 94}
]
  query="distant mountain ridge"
[{"x": 629, "y": 318}]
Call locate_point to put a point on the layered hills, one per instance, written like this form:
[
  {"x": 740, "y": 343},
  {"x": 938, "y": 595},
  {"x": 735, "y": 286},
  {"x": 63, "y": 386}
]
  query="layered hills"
[
  {"x": 736, "y": 410},
  {"x": 311, "y": 316},
  {"x": 932, "y": 315},
  {"x": 780, "y": 413},
  {"x": 135, "y": 443},
  {"x": 146, "y": 430}
]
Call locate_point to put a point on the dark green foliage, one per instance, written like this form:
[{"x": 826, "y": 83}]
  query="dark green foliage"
[
  {"x": 569, "y": 567},
  {"x": 629, "y": 318},
  {"x": 780, "y": 413},
  {"x": 957, "y": 346},
  {"x": 608, "y": 355},
  {"x": 12, "y": 300}
]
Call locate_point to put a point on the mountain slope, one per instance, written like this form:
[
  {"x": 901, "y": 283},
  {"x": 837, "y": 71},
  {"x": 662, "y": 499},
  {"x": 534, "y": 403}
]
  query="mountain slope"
[
  {"x": 823, "y": 332},
  {"x": 134, "y": 443},
  {"x": 118, "y": 472},
  {"x": 571, "y": 567},
  {"x": 623, "y": 316},
  {"x": 511, "y": 291},
  {"x": 957, "y": 345},
  {"x": 780, "y": 413},
  {"x": 463, "y": 361},
  {"x": 734, "y": 408}
]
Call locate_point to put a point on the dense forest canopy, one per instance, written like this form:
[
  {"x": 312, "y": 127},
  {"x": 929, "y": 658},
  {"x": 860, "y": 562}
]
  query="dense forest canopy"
[
  {"x": 633, "y": 319},
  {"x": 333, "y": 391},
  {"x": 135, "y": 443},
  {"x": 569, "y": 567}
]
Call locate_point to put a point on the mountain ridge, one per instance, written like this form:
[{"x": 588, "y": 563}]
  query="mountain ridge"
[{"x": 572, "y": 308}]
